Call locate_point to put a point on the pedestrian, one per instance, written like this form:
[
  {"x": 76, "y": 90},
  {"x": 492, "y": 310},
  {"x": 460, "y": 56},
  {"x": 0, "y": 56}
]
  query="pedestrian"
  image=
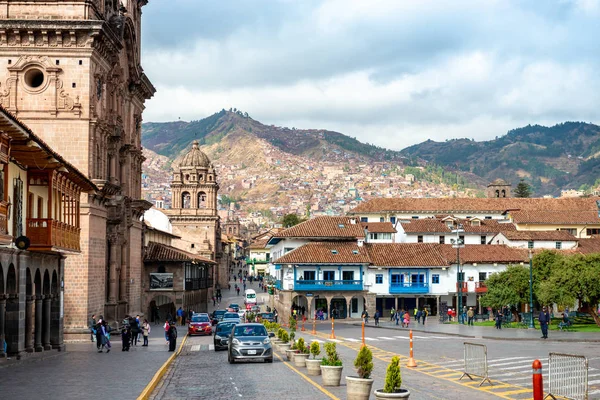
[
  {"x": 166, "y": 328},
  {"x": 302, "y": 310},
  {"x": 392, "y": 313},
  {"x": 498, "y": 319},
  {"x": 133, "y": 325},
  {"x": 463, "y": 316},
  {"x": 450, "y": 314},
  {"x": 179, "y": 315},
  {"x": 365, "y": 316},
  {"x": 238, "y": 291},
  {"x": 106, "y": 336},
  {"x": 419, "y": 314},
  {"x": 229, "y": 286},
  {"x": 397, "y": 317},
  {"x": 183, "y": 318},
  {"x": 172, "y": 334},
  {"x": 425, "y": 314},
  {"x": 376, "y": 317},
  {"x": 92, "y": 326},
  {"x": 406, "y": 321},
  {"x": 99, "y": 336},
  {"x": 125, "y": 338},
  {"x": 544, "y": 319},
  {"x": 470, "y": 315},
  {"x": 146, "y": 332},
  {"x": 275, "y": 315},
  {"x": 214, "y": 299}
]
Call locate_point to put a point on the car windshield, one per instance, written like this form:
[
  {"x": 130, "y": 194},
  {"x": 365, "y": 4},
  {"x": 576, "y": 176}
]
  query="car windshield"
[
  {"x": 267, "y": 315},
  {"x": 254, "y": 330},
  {"x": 219, "y": 312},
  {"x": 233, "y": 305},
  {"x": 250, "y": 296},
  {"x": 200, "y": 318},
  {"x": 225, "y": 327},
  {"x": 231, "y": 315}
]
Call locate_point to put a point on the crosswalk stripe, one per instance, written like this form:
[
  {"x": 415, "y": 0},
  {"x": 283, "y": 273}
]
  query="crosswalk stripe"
[
  {"x": 372, "y": 339},
  {"x": 593, "y": 382},
  {"x": 352, "y": 340},
  {"x": 401, "y": 337},
  {"x": 385, "y": 338}
]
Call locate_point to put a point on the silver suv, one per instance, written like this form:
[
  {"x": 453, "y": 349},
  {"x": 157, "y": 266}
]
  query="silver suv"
[{"x": 250, "y": 342}]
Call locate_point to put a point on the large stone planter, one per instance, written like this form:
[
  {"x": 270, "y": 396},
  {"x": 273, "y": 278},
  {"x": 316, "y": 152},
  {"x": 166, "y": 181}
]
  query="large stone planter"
[
  {"x": 313, "y": 367},
  {"x": 358, "y": 388},
  {"x": 289, "y": 353},
  {"x": 300, "y": 359},
  {"x": 283, "y": 347},
  {"x": 331, "y": 375},
  {"x": 400, "y": 394}
]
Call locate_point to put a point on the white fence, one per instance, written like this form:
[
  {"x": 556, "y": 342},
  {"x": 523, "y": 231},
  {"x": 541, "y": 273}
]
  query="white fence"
[
  {"x": 567, "y": 376},
  {"x": 476, "y": 362}
]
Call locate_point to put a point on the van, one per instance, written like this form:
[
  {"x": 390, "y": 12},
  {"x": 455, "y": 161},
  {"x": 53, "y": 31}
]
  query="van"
[{"x": 249, "y": 297}]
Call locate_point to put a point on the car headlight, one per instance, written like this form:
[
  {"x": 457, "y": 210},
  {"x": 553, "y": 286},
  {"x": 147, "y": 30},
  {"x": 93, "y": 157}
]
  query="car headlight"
[
  {"x": 235, "y": 341},
  {"x": 266, "y": 341},
  {"x": 217, "y": 337}
]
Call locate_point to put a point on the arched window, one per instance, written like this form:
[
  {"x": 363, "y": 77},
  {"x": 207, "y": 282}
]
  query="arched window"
[
  {"x": 504, "y": 193},
  {"x": 187, "y": 177},
  {"x": 201, "y": 200},
  {"x": 497, "y": 193},
  {"x": 210, "y": 178},
  {"x": 186, "y": 200}
]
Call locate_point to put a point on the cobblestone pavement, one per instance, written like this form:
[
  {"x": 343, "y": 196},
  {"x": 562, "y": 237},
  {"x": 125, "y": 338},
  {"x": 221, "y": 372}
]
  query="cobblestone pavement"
[{"x": 83, "y": 373}]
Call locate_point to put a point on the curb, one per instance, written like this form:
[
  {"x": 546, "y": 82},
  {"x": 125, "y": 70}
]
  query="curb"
[
  {"x": 160, "y": 373},
  {"x": 569, "y": 340}
]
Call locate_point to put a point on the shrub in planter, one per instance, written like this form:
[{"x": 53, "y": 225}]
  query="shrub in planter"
[
  {"x": 315, "y": 349},
  {"x": 331, "y": 366},
  {"x": 300, "y": 345},
  {"x": 393, "y": 381},
  {"x": 313, "y": 367},
  {"x": 285, "y": 337},
  {"x": 359, "y": 388},
  {"x": 292, "y": 335},
  {"x": 293, "y": 323},
  {"x": 303, "y": 352}
]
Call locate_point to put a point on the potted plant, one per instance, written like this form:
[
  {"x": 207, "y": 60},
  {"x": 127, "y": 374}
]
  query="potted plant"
[
  {"x": 393, "y": 381},
  {"x": 359, "y": 388},
  {"x": 313, "y": 366},
  {"x": 331, "y": 366},
  {"x": 302, "y": 354},
  {"x": 293, "y": 348},
  {"x": 285, "y": 338}
]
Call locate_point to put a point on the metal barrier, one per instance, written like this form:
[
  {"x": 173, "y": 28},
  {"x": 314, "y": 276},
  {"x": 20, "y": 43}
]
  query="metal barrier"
[
  {"x": 567, "y": 376},
  {"x": 476, "y": 362}
]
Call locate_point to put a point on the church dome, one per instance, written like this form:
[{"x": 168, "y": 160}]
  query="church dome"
[{"x": 195, "y": 158}]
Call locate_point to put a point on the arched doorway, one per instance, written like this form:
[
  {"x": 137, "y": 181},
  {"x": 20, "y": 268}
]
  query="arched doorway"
[
  {"x": 339, "y": 308},
  {"x": 357, "y": 306},
  {"x": 320, "y": 307},
  {"x": 161, "y": 307},
  {"x": 300, "y": 303},
  {"x": 11, "y": 331}
]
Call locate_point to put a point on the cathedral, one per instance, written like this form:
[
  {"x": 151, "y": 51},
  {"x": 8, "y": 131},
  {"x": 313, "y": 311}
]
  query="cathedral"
[{"x": 73, "y": 74}]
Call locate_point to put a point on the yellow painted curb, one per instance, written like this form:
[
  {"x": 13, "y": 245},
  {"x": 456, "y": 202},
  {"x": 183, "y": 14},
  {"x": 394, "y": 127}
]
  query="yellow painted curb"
[{"x": 160, "y": 373}]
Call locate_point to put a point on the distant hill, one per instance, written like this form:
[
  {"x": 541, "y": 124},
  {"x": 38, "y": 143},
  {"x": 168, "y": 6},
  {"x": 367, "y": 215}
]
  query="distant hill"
[
  {"x": 170, "y": 138},
  {"x": 549, "y": 158}
]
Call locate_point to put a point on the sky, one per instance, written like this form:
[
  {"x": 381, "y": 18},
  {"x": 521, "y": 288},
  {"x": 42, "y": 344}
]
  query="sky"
[{"x": 388, "y": 72}]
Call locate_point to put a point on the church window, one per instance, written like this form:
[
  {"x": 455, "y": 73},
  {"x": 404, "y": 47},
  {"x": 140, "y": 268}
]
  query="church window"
[
  {"x": 186, "y": 200},
  {"x": 80, "y": 62},
  {"x": 74, "y": 85},
  {"x": 200, "y": 178},
  {"x": 57, "y": 62},
  {"x": 187, "y": 177},
  {"x": 34, "y": 78},
  {"x": 210, "y": 178},
  {"x": 201, "y": 200}
]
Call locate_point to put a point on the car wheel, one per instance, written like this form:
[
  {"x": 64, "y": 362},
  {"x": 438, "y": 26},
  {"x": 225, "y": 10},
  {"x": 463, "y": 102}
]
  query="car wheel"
[{"x": 269, "y": 360}]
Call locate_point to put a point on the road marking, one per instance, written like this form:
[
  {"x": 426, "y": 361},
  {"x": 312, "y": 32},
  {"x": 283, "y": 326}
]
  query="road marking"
[
  {"x": 402, "y": 337},
  {"x": 385, "y": 338},
  {"x": 594, "y": 392},
  {"x": 352, "y": 340},
  {"x": 372, "y": 339},
  {"x": 335, "y": 340},
  {"x": 195, "y": 347},
  {"x": 593, "y": 382},
  {"x": 325, "y": 391}
]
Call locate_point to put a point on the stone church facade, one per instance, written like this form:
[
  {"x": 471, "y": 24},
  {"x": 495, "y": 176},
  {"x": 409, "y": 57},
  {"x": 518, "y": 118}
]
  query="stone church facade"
[{"x": 73, "y": 74}]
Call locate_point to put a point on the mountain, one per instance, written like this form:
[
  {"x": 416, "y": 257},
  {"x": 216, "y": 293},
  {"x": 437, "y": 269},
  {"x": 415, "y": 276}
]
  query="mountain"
[
  {"x": 549, "y": 158},
  {"x": 277, "y": 170}
]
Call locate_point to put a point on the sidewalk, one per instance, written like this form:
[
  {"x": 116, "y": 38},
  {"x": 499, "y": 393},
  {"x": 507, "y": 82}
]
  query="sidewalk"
[{"x": 485, "y": 332}]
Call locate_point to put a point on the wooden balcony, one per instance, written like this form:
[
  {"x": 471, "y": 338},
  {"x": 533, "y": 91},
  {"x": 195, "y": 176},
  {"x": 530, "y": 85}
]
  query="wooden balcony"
[
  {"x": 465, "y": 287},
  {"x": 47, "y": 234},
  {"x": 480, "y": 287}
]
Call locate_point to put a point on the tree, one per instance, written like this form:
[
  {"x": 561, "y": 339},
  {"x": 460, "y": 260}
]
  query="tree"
[
  {"x": 508, "y": 287},
  {"x": 523, "y": 189},
  {"x": 290, "y": 220}
]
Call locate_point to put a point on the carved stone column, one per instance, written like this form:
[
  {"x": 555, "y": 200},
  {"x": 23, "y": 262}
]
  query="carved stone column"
[
  {"x": 113, "y": 289},
  {"x": 123, "y": 274},
  {"x": 38, "y": 323},
  {"x": 2, "y": 314},
  {"x": 29, "y": 323},
  {"x": 12, "y": 329},
  {"x": 46, "y": 323},
  {"x": 56, "y": 338}
]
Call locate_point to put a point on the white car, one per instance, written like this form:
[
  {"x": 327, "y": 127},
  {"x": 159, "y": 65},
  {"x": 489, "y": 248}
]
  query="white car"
[{"x": 242, "y": 314}]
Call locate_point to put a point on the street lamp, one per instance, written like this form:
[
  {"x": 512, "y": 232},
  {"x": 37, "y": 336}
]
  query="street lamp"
[
  {"x": 531, "y": 326},
  {"x": 457, "y": 244}
]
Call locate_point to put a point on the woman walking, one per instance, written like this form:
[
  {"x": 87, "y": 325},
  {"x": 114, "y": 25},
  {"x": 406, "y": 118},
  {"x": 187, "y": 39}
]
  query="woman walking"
[
  {"x": 104, "y": 339},
  {"x": 146, "y": 332},
  {"x": 99, "y": 336},
  {"x": 166, "y": 327}
]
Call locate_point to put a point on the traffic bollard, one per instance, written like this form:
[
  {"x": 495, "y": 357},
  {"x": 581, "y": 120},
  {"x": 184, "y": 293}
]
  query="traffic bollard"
[
  {"x": 303, "y": 319},
  {"x": 538, "y": 381},
  {"x": 363, "y": 333},
  {"x": 411, "y": 361},
  {"x": 332, "y": 336},
  {"x": 314, "y": 331}
]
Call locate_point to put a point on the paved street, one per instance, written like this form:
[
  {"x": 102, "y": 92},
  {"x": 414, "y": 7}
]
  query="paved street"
[{"x": 83, "y": 373}]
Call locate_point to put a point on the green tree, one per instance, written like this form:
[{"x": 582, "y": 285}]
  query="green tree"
[
  {"x": 523, "y": 189},
  {"x": 290, "y": 220},
  {"x": 508, "y": 287}
]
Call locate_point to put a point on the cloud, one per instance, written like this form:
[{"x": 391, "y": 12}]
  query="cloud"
[{"x": 390, "y": 73}]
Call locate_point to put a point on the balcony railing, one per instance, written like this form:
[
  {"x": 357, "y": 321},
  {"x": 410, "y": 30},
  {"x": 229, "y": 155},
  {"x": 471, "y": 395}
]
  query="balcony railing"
[
  {"x": 480, "y": 287},
  {"x": 331, "y": 285},
  {"x": 46, "y": 234},
  {"x": 465, "y": 286},
  {"x": 197, "y": 283},
  {"x": 405, "y": 287}
]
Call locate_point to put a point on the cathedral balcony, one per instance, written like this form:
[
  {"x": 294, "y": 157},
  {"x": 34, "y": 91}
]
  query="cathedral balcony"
[{"x": 47, "y": 234}]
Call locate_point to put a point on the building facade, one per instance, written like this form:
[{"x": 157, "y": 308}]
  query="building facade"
[{"x": 73, "y": 74}]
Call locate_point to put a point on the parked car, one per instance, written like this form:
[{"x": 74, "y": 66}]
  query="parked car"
[
  {"x": 217, "y": 316},
  {"x": 250, "y": 342},
  {"x": 235, "y": 307},
  {"x": 200, "y": 325},
  {"x": 222, "y": 333},
  {"x": 267, "y": 316}
]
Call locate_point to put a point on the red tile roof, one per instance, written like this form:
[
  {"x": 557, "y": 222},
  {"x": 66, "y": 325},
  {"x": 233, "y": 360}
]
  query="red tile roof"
[
  {"x": 326, "y": 253},
  {"x": 406, "y": 254},
  {"x": 433, "y": 225},
  {"x": 485, "y": 253},
  {"x": 379, "y": 227},
  {"x": 259, "y": 244},
  {"x": 587, "y": 246},
  {"x": 555, "y": 217},
  {"x": 470, "y": 204},
  {"x": 540, "y": 235},
  {"x": 164, "y": 253},
  {"x": 325, "y": 227}
]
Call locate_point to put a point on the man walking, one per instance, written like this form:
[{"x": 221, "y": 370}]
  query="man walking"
[
  {"x": 92, "y": 327},
  {"x": 470, "y": 315},
  {"x": 392, "y": 314},
  {"x": 179, "y": 315},
  {"x": 376, "y": 317},
  {"x": 544, "y": 319}
]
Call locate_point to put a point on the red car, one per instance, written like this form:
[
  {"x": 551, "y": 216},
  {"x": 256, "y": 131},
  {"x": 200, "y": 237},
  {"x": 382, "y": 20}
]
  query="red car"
[{"x": 200, "y": 325}]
